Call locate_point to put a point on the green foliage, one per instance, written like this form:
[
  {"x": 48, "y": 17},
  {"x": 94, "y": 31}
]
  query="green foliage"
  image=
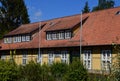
[
  {"x": 116, "y": 66},
  {"x": 105, "y": 5},
  {"x": 12, "y": 14},
  {"x": 30, "y": 72},
  {"x": 46, "y": 74},
  {"x": 77, "y": 72},
  {"x": 58, "y": 71},
  {"x": 86, "y": 8},
  {"x": 8, "y": 71}
]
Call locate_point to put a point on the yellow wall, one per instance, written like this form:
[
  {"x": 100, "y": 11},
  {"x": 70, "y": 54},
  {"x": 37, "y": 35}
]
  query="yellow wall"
[
  {"x": 96, "y": 59},
  {"x": 44, "y": 59},
  {"x": 57, "y": 59}
]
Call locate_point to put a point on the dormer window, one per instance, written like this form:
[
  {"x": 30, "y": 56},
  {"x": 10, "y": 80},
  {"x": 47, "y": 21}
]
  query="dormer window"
[
  {"x": 54, "y": 35},
  {"x": 58, "y": 35},
  {"x": 19, "y": 38},
  {"x": 67, "y": 34},
  {"x": 8, "y": 40},
  {"x": 118, "y": 13},
  {"x": 61, "y": 35}
]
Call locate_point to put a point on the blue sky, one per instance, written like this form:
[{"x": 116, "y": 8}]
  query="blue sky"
[{"x": 40, "y": 10}]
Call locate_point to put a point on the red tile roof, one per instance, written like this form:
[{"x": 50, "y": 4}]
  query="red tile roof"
[
  {"x": 65, "y": 24},
  {"x": 25, "y": 29},
  {"x": 101, "y": 28}
]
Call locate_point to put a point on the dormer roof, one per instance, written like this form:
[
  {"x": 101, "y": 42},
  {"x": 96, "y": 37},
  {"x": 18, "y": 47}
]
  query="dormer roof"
[{"x": 25, "y": 29}]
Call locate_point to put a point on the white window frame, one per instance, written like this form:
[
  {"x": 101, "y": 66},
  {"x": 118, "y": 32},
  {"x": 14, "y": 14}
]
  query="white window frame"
[
  {"x": 67, "y": 34},
  {"x": 5, "y": 40},
  {"x": 49, "y": 36},
  {"x": 27, "y": 38},
  {"x": 54, "y": 35},
  {"x": 64, "y": 56},
  {"x": 87, "y": 58},
  {"x": 3, "y": 57},
  {"x": 15, "y": 39},
  {"x": 8, "y": 40},
  {"x": 23, "y": 38},
  {"x": 61, "y": 35},
  {"x": 106, "y": 59},
  {"x": 18, "y": 38},
  {"x": 24, "y": 57},
  {"x": 50, "y": 57}
]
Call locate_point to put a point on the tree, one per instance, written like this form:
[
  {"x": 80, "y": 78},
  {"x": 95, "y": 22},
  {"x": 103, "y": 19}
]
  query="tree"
[
  {"x": 104, "y": 5},
  {"x": 86, "y": 8},
  {"x": 12, "y": 14}
]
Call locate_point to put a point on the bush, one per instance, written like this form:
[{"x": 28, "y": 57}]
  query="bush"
[
  {"x": 30, "y": 72},
  {"x": 58, "y": 70},
  {"x": 8, "y": 71},
  {"x": 76, "y": 72}
]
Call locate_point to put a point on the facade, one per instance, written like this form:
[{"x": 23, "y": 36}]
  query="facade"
[{"x": 58, "y": 40}]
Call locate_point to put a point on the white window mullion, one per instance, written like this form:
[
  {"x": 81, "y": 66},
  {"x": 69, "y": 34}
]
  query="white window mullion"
[
  {"x": 24, "y": 58},
  {"x": 106, "y": 59},
  {"x": 87, "y": 58},
  {"x": 51, "y": 57}
]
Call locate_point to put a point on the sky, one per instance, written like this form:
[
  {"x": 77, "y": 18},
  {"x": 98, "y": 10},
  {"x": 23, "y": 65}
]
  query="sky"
[{"x": 41, "y": 10}]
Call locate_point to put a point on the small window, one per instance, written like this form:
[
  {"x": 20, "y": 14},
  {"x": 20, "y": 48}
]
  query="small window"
[
  {"x": 64, "y": 56},
  {"x": 87, "y": 58},
  {"x": 51, "y": 57},
  {"x": 106, "y": 59},
  {"x": 24, "y": 58},
  {"x": 67, "y": 34},
  {"x": 3, "y": 57},
  {"x": 118, "y": 13},
  {"x": 49, "y": 36},
  {"x": 8, "y": 40},
  {"x": 23, "y": 38},
  {"x": 61, "y": 35},
  {"x": 54, "y": 35},
  {"x": 27, "y": 38}
]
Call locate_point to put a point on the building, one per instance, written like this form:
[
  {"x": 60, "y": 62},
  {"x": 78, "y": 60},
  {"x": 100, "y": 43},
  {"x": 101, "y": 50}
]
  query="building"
[{"x": 58, "y": 40}]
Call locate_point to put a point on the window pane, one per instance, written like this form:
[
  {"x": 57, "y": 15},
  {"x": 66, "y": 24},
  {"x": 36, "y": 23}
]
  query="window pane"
[
  {"x": 61, "y": 35},
  {"x": 67, "y": 34}
]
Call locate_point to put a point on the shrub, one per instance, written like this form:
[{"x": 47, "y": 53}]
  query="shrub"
[
  {"x": 58, "y": 70},
  {"x": 30, "y": 72},
  {"x": 76, "y": 72},
  {"x": 8, "y": 71}
]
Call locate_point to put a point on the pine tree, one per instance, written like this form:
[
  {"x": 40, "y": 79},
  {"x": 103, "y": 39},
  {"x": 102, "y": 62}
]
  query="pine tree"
[
  {"x": 104, "y": 5},
  {"x": 12, "y": 14},
  {"x": 86, "y": 8}
]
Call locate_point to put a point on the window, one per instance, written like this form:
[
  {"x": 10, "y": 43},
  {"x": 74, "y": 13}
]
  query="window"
[
  {"x": 27, "y": 38},
  {"x": 49, "y": 36},
  {"x": 54, "y": 35},
  {"x": 61, "y": 35},
  {"x": 3, "y": 57},
  {"x": 106, "y": 59},
  {"x": 51, "y": 57},
  {"x": 24, "y": 58},
  {"x": 67, "y": 34},
  {"x": 39, "y": 57},
  {"x": 118, "y": 13},
  {"x": 15, "y": 39},
  {"x": 64, "y": 56},
  {"x": 58, "y": 35},
  {"x": 19, "y": 39},
  {"x": 87, "y": 58},
  {"x": 23, "y": 38},
  {"x": 8, "y": 40}
]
